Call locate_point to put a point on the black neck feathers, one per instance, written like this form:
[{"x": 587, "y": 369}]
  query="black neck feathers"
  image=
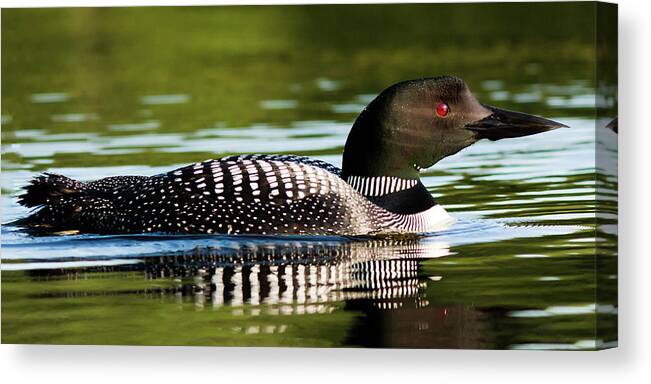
[
  {"x": 376, "y": 144},
  {"x": 408, "y": 201}
]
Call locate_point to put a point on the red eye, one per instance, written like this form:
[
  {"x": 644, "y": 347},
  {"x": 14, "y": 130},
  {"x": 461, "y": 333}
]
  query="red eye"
[{"x": 442, "y": 109}]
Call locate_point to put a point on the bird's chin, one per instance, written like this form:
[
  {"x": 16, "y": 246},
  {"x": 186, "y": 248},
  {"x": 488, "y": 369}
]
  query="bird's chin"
[{"x": 421, "y": 169}]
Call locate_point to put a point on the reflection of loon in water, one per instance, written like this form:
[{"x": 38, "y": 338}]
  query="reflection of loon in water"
[
  {"x": 301, "y": 277},
  {"x": 381, "y": 280}
]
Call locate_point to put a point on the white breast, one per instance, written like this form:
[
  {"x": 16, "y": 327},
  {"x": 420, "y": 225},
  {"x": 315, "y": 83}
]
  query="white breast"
[{"x": 435, "y": 219}]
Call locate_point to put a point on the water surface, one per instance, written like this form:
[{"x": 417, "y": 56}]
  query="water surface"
[{"x": 91, "y": 93}]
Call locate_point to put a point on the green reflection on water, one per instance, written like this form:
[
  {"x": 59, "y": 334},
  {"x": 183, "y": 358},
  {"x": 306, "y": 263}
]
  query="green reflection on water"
[
  {"x": 225, "y": 61},
  {"x": 502, "y": 294},
  {"x": 121, "y": 308}
]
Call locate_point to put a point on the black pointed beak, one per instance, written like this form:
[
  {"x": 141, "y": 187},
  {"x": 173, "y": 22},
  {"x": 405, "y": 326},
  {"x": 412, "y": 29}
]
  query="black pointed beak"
[
  {"x": 503, "y": 124},
  {"x": 613, "y": 125}
]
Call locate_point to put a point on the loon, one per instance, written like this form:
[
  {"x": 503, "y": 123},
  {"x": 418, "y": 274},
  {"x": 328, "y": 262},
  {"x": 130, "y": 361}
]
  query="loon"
[{"x": 408, "y": 127}]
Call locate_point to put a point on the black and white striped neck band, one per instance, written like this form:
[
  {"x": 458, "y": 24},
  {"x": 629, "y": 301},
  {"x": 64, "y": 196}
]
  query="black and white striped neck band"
[{"x": 379, "y": 185}]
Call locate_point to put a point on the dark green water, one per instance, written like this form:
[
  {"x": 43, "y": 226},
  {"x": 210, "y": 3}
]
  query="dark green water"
[{"x": 97, "y": 92}]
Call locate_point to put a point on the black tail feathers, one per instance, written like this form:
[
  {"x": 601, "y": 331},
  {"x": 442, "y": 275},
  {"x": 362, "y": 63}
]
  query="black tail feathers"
[{"x": 49, "y": 188}]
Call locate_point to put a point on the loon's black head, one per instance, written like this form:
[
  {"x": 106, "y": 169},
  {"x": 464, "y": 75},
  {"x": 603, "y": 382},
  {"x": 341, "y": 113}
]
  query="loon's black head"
[{"x": 413, "y": 124}]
